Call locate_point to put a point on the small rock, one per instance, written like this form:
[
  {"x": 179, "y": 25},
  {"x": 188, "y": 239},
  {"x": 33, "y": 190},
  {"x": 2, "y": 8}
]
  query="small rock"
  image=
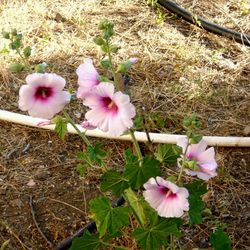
[
  {"x": 42, "y": 174},
  {"x": 31, "y": 183},
  {"x": 246, "y": 130}
]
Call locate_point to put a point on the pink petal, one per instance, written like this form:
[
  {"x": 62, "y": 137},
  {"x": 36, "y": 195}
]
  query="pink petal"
[
  {"x": 55, "y": 81},
  {"x": 105, "y": 89},
  {"x": 182, "y": 142},
  {"x": 47, "y": 80},
  {"x": 196, "y": 149},
  {"x": 58, "y": 101},
  {"x": 206, "y": 156},
  {"x": 26, "y": 99},
  {"x": 87, "y": 72},
  {"x": 166, "y": 205},
  {"x": 87, "y": 125},
  {"x": 41, "y": 110}
]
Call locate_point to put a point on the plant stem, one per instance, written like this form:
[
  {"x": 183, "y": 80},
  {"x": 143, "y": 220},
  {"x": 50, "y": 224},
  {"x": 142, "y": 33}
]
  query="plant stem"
[
  {"x": 25, "y": 61},
  {"x": 82, "y": 135},
  {"x": 183, "y": 161},
  {"x": 110, "y": 60},
  {"x": 172, "y": 246},
  {"x": 136, "y": 145}
]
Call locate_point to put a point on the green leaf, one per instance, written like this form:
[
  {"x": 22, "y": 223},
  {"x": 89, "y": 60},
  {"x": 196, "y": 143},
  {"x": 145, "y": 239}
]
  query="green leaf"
[
  {"x": 114, "y": 48},
  {"x": 16, "y": 67},
  {"x": 99, "y": 41},
  {"x": 96, "y": 154},
  {"x": 220, "y": 240},
  {"x": 191, "y": 122},
  {"x": 103, "y": 79},
  {"x": 139, "y": 172},
  {"x": 168, "y": 153},
  {"x": 155, "y": 236},
  {"x": 136, "y": 205},
  {"x": 81, "y": 169},
  {"x": 4, "y": 245},
  {"x": 129, "y": 156},
  {"x": 112, "y": 180},
  {"x": 27, "y": 52},
  {"x": 61, "y": 126},
  {"x": 40, "y": 68},
  {"x": 122, "y": 248},
  {"x": 105, "y": 63},
  {"x": 15, "y": 44},
  {"x": 196, "y": 190},
  {"x": 124, "y": 67},
  {"x": 14, "y": 32},
  {"x": 105, "y": 48},
  {"x": 5, "y": 34},
  {"x": 87, "y": 241},
  {"x": 108, "y": 218},
  {"x": 195, "y": 138},
  {"x": 138, "y": 122}
]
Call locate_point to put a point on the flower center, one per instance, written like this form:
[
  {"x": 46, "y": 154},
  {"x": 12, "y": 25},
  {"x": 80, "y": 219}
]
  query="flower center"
[
  {"x": 168, "y": 193},
  {"x": 43, "y": 93},
  {"x": 110, "y": 104}
]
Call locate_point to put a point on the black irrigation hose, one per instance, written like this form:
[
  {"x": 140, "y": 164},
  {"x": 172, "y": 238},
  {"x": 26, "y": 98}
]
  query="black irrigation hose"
[
  {"x": 91, "y": 227},
  {"x": 203, "y": 23},
  {"x": 200, "y": 22}
]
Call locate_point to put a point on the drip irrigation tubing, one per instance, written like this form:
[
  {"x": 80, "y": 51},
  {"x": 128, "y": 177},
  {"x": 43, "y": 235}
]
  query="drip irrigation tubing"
[
  {"x": 91, "y": 227},
  {"x": 203, "y": 23},
  {"x": 219, "y": 141}
]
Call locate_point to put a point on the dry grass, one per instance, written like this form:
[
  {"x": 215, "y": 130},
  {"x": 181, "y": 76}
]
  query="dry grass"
[{"x": 182, "y": 69}]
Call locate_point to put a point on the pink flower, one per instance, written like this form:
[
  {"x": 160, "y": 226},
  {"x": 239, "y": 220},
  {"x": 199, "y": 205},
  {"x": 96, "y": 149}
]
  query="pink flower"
[
  {"x": 133, "y": 60},
  {"x": 43, "y": 95},
  {"x": 87, "y": 78},
  {"x": 166, "y": 198},
  {"x": 205, "y": 159},
  {"x": 111, "y": 112}
]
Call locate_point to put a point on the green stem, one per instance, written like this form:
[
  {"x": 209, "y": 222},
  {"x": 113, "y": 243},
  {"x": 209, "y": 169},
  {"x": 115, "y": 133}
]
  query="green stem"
[
  {"x": 136, "y": 145},
  {"x": 183, "y": 161},
  {"x": 172, "y": 246},
  {"x": 25, "y": 61},
  {"x": 82, "y": 135},
  {"x": 111, "y": 62}
]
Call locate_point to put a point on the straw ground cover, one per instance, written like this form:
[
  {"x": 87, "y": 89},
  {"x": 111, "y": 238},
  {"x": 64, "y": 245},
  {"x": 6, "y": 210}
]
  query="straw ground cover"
[{"x": 181, "y": 70}]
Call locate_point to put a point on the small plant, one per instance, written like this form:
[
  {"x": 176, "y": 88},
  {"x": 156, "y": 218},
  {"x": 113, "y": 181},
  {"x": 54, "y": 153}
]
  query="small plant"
[
  {"x": 245, "y": 8},
  {"x": 16, "y": 44},
  {"x": 157, "y": 204}
]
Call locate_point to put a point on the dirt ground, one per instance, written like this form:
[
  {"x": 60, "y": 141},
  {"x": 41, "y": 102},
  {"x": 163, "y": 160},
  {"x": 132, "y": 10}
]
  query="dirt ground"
[{"x": 182, "y": 69}]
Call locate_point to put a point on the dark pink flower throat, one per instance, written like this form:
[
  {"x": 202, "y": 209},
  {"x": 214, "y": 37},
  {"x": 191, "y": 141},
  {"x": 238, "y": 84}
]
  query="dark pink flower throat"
[
  {"x": 168, "y": 193},
  {"x": 43, "y": 93},
  {"x": 109, "y": 104}
]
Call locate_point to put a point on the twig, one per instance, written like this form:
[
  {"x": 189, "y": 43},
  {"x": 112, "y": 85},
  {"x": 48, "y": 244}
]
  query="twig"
[
  {"x": 31, "y": 203},
  {"x": 67, "y": 204}
]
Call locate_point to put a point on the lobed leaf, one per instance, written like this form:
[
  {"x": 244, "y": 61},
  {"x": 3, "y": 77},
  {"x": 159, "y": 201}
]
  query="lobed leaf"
[
  {"x": 61, "y": 126},
  {"x": 168, "y": 153},
  {"x": 108, "y": 218},
  {"x": 220, "y": 240},
  {"x": 155, "y": 236},
  {"x": 114, "y": 181},
  {"x": 139, "y": 172},
  {"x": 196, "y": 205},
  {"x": 87, "y": 241},
  {"x": 136, "y": 205}
]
